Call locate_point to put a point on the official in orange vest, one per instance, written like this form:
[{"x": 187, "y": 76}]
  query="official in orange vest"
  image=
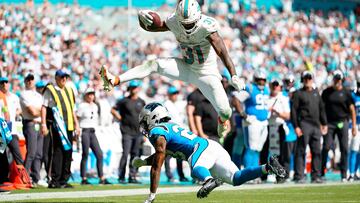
[{"x": 60, "y": 96}]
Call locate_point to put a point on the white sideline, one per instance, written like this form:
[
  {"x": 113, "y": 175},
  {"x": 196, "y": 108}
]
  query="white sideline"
[{"x": 145, "y": 191}]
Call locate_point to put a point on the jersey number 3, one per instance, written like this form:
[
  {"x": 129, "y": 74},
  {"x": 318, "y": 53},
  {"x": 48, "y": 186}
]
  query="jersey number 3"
[
  {"x": 189, "y": 54},
  {"x": 183, "y": 132}
]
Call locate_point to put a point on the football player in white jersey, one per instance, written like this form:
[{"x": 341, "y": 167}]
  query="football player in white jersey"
[{"x": 200, "y": 42}]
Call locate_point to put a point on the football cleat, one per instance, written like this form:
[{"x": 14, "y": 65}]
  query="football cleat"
[
  {"x": 274, "y": 167},
  {"x": 208, "y": 186},
  {"x": 108, "y": 78},
  {"x": 223, "y": 128}
]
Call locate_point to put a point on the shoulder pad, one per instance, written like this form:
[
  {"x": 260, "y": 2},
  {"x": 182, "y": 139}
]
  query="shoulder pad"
[
  {"x": 209, "y": 24},
  {"x": 171, "y": 21},
  {"x": 159, "y": 130}
]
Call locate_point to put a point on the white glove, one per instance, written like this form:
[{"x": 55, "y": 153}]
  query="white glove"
[
  {"x": 145, "y": 17},
  {"x": 138, "y": 162},
  {"x": 251, "y": 119},
  {"x": 150, "y": 198},
  {"x": 238, "y": 83}
]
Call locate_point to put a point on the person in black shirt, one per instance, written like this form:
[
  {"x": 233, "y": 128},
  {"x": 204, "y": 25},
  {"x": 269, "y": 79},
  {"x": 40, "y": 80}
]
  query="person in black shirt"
[
  {"x": 309, "y": 119},
  {"x": 206, "y": 120},
  {"x": 127, "y": 112},
  {"x": 339, "y": 106},
  {"x": 193, "y": 100}
]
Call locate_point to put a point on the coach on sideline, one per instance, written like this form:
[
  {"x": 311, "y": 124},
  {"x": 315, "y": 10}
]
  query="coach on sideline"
[
  {"x": 339, "y": 106},
  {"x": 309, "y": 119}
]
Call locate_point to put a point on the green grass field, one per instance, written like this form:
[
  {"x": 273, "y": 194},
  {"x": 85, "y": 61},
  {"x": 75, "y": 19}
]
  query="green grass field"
[{"x": 338, "y": 193}]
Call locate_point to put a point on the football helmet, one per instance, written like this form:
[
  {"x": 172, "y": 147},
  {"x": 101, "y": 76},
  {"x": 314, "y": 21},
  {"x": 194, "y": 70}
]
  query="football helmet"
[
  {"x": 188, "y": 13},
  {"x": 151, "y": 115},
  {"x": 260, "y": 75}
]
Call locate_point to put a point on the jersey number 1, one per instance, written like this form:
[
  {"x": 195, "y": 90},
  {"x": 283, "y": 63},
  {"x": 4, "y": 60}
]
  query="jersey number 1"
[{"x": 189, "y": 51}]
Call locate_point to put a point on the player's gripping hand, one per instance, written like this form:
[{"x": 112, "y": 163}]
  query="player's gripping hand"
[
  {"x": 150, "y": 198},
  {"x": 145, "y": 17},
  {"x": 138, "y": 162},
  {"x": 251, "y": 119},
  {"x": 238, "y": 83}
]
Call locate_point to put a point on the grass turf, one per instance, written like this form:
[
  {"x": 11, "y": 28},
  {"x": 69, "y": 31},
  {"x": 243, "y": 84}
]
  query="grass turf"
[{"x": 340, "y": 193}]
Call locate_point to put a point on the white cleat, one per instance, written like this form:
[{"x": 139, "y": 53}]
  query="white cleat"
[{"x": 109, "y": 79}]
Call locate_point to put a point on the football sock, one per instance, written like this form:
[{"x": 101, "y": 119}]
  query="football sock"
[
  {"x": 201, "y": 173},
  {"x": 247, "y": 174},
  {"x": 352, "y": 162},
  {"x": 251, "y": 158},
  {"x": 139, "y": 72}
]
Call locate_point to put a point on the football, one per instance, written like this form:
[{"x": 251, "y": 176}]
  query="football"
[{"x": 156, "y": 21}]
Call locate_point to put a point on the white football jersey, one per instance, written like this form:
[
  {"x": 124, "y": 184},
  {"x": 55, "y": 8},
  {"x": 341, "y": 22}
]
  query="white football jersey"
[{"x": 195, "y": 48}]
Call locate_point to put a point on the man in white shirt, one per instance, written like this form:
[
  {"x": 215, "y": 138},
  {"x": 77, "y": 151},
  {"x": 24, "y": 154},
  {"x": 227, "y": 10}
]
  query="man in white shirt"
[{"x": 31, "y": 102}]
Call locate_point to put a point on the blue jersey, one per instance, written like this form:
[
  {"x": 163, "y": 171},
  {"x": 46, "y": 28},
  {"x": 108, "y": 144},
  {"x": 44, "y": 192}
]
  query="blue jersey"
[
  {"x": 256, "y": 104},
  {"x": 356, "y": 98},
  {"x": 180, "y": 143}
]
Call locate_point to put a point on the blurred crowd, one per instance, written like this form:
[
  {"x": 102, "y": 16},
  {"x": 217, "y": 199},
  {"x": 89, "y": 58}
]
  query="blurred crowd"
[{"x": 40, "y": 39}]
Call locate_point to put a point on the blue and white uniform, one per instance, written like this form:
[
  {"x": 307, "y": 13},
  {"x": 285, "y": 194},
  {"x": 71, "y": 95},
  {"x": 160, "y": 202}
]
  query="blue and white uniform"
[
  {"x": 206, "y": 157},
  {"x": 354, "y": 159}
]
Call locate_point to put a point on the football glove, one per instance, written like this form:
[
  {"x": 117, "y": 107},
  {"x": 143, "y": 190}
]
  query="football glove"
[
  {"x": 138, "y": 162},
  {"x": 145, "y": 17},
  {"x": 251, "y": 119},
  {"x": 150, "y": 198},
  {"x": 237, "y": 83}
]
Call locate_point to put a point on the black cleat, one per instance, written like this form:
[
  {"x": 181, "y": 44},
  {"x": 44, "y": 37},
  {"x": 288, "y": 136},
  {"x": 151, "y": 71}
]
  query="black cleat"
[
  {"x": 274, "y": 167},
  {"x": 208, "y": 186}
]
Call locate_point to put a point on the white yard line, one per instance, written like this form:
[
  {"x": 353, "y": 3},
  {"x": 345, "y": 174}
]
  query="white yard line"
[{"x": 145, "y": 191}]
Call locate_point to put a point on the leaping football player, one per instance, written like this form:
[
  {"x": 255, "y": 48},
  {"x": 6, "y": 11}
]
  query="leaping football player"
[
  {"x": 209, "y": 161},
  {"x": 200, "y": 42}
]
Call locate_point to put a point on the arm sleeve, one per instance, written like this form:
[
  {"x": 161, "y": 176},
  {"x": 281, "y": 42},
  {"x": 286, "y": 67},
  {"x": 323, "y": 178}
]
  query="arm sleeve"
[
  {"x": 294, "y": 108},
  {"x": 160, "y": 131},
  {"x": 350, "y": 99},
  {"x": 323, "y": 119}
]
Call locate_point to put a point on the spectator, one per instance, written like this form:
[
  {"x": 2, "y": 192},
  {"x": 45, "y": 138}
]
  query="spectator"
[
  {"x": 279, "y": 108},
  {"x": 176, "y": 109},
  {"x": 60, "y": 96},
  {"x": 193, "y": 99},
  {"x": 339, "y": 106},
  {"x": 31, "y": 102},
  {"x": 206, "y": 120},
  {"x": 40, "y": 86},
  {"x": 89, "y": 113},
  {"x": 127, "y": 111},
  {"x": 11, "y": 109},
  {"x": 309, "y": 119}
]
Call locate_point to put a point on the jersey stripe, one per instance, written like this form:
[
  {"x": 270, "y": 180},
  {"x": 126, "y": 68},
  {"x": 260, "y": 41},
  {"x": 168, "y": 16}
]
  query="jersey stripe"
[{"x": 186, "y": 9}]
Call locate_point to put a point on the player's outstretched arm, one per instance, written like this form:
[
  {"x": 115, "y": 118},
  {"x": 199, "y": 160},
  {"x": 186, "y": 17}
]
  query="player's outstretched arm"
[
  {"x": 220, "y": 49},
  {"x": 158, "y": 160}
]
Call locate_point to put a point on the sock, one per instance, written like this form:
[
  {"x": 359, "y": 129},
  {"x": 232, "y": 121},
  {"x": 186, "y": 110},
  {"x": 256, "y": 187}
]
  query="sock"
[
  {"x": 352, "y": 162},
  {"x": 357, "y": 165},
  {"x": 139, "y": 72},
  {"x": 251, "y": 158},
  {"x": 247, "y": 174},
  {"x": 201, "y": 173}
]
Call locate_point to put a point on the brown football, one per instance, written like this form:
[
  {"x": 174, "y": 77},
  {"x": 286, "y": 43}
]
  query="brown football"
[{"x": 156, "y": 21}]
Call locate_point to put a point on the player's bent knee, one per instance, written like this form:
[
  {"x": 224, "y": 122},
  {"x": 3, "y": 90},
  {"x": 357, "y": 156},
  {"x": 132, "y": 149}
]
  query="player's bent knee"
[{"x": 225, "y": 114}]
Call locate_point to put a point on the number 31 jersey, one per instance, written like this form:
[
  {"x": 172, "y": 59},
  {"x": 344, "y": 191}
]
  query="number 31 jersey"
[
  {"x": 180, "y": 143},
  {"x": 195, "y": 48}
]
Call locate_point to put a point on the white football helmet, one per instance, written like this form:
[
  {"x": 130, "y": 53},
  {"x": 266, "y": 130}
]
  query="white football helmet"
[
  {"x": 188, "y": 13},
  {"x": 152, "y": 114}
]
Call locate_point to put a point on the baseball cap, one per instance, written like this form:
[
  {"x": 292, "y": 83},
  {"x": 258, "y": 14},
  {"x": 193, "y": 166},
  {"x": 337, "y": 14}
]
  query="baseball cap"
[
  {"x": 307, "y": 74},
  {"x": 276, "y": 82},
  {"x": 4, "y": 79},
  {"x": 62, "y": 73},
  {"x": 134, "y": 83},
  {"x": 89, "y": 90},
  {"x": 29, "y": 76},
  {"x": 173, "y": 90},
  {"x": 40, "y": 84},
  {"x": 338, "y": 75}
]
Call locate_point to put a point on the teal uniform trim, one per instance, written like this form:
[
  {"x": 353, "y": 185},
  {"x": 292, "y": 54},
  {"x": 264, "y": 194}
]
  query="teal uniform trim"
[
  {"x": 198, "y": 152},
  {"x": 186, "y": 8}
]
